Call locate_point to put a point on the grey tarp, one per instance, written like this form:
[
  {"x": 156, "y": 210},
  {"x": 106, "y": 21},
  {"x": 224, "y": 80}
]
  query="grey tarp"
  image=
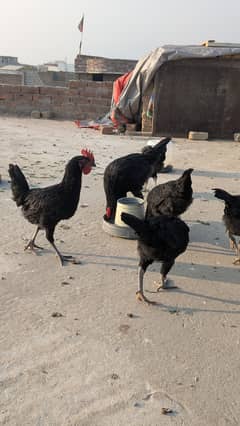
[{"x": 146, "y": 68}]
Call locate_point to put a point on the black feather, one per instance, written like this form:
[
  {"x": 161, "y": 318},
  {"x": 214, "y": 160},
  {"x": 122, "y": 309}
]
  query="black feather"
[
  {"x": 161, "y": 238},
  {"x": 129, "y": 173},
  {"x": 45, "y": 207},
  {"x": 231, "y": 216},
  {"x": 171, "y": 198},
  {"x": 19, "y": 184}
]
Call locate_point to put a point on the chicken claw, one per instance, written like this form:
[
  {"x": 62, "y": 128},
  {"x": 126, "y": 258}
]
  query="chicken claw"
[
  {"x": 65, "y": 258},
  {"x": 236, "y": 261},
  {"x": 140, "y": 296},
  {"x": 164, "y": 285},
  {"x": 32, "y": 246}
]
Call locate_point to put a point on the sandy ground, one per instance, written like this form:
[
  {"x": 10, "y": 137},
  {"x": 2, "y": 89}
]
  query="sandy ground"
[{"x": 97, "y": 365}]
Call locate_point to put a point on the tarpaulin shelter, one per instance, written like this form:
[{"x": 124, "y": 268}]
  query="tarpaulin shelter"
[{"x": 195, "y": 88}]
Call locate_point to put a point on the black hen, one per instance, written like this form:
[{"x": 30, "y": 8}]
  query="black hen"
[
  {"x": 159, "y": 165},
  {"x": 45, "y": 207},
  {"x": 231, "y": 217},
  {"x": 128, "y": 174},
  {"x": 171, "y": 198},
  {"x": 161, "y": 238}
]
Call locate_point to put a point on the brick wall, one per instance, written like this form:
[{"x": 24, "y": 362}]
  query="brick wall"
[
  {"x": 80, "y": 100},
  {"x": 97, "y": 64},
  {"x": 93, "y": 76},
  {"x": 11, "y": 78},
  {"x": 56, "y": 78}
]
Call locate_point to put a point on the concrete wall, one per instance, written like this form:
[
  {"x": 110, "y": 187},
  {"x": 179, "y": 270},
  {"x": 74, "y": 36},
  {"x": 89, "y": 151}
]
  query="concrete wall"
[
  {"x": 56, "y": 78},
  {"x": 81, "y": 100},
  {"x": 97, "y": 64}
]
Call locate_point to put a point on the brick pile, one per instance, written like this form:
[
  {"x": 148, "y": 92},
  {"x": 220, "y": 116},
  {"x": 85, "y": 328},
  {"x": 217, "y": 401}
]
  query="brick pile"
[{"x": 97, "y": 64}]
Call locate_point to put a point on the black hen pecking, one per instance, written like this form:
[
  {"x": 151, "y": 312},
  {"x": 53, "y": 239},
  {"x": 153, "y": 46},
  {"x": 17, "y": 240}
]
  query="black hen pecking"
[
  {"x": 128, "y": 174},
  {"x": 161, "y": 238},
  {"x": 231, "y": 218},
  {"x": 171, "y": 198},
  {"x": 45, "y": 207}
]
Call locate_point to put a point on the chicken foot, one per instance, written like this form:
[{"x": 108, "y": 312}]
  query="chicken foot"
[
  {"x": 139, "y": 294},
  {"x": 63, "y": 258},
  {"x": 164, "y": 284}
]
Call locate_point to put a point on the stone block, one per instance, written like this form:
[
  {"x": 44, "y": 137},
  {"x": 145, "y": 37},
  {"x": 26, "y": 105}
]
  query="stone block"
[
  {"x": 107, "y": 130},
  {"x": 35, "y": 114},
  {"x": 236, "y": 137},
  {"x": 199, "y": 136},
  {"x": 47, "y": 114}
]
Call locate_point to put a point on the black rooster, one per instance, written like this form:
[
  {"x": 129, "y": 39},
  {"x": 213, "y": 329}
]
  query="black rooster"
[
  {"x": 45, "y": 207},
  {"x": 129, "y": 173},
  {"x": 161, "y": 238},
  {"x": 171, "y": 198},
  {"x": 231, "y": 218}
]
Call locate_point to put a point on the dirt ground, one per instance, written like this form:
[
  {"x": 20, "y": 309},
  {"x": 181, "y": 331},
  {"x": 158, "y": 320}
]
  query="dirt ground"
[{"x": 110, "y": 360}]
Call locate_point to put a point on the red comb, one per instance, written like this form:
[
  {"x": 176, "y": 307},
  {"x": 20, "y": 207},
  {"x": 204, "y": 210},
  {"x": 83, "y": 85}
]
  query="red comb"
[{"x": 87, "y": 153}]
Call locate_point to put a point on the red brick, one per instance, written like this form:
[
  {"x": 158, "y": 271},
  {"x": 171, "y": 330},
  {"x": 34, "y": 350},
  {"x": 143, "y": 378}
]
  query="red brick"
[
  {"x": 29, "y": 90},
  {"x": 23, "y": 98},
  {"x": 52, "y": 91},
  {"x": 74, "y": 84}
]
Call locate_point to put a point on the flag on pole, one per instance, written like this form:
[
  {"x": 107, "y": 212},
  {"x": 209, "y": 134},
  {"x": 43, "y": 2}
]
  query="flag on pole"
[
  {"x": 80, "y": 25},
  {"x": 80, "y": 47}
]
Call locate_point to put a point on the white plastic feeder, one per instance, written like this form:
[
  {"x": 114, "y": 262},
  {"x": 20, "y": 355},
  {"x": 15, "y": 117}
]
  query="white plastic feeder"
[{"x": 131, "y": 205}]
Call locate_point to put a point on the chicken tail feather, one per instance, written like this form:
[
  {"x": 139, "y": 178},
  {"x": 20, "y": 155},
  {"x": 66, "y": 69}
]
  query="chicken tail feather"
[
  {"x": 222, "y": 195},
  {"x": 139, "y": 225},
  {"x": 19, "y": 184}
]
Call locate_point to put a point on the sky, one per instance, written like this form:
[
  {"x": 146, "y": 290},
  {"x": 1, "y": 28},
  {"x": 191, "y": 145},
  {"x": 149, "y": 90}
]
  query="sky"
[{"x": 38, "y": 31}]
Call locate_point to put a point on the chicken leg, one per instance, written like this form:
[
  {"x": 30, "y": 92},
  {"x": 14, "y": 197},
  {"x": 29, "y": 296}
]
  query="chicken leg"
[
  {"x": 237, "y": 260},
  {"x": 62, "y": 258},
  {"x": 232, "y": 241},
  {"x": 165, "y": 268},
  {"x": 139, "y": 294},
  {"x": 233, "y": 245},
  {"x": 31, "y": 244}
]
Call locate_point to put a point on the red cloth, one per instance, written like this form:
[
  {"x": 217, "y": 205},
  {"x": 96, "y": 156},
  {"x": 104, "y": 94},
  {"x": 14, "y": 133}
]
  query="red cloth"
[{"x": 118, "y": 87}]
